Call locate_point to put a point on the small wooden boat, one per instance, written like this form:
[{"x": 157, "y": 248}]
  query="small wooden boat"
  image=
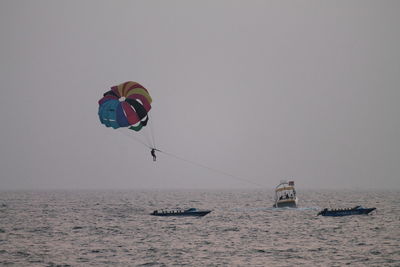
[
  {"x": 179, "y": 212},
  {"x": 357, "y": 210}
]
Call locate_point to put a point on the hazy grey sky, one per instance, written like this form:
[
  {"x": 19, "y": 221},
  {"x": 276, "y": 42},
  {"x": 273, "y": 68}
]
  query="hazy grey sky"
[{"x": 263, "y": 90}]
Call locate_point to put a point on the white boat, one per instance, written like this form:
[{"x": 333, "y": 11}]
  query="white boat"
[{"x": 285, "y": 195}]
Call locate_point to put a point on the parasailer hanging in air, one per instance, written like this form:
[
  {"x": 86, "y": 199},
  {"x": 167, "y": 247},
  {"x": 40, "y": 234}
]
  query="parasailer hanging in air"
[
  {"x": 153, "y": 153},
  {"x": 127, "y": 105}
]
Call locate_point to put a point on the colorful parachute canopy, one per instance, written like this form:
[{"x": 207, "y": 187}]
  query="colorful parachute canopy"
[{"x": 125, "y": 105}]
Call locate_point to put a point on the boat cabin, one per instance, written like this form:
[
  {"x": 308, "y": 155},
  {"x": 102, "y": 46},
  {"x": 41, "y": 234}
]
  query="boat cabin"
[{"x": 285, "y": 195}]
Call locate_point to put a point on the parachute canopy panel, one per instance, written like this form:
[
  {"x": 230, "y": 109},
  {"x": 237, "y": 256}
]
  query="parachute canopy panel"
[{"x": 125, "y": 105}]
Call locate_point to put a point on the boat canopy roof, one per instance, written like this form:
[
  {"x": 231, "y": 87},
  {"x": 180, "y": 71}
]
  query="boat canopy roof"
[{"x": 287, "y": 188}]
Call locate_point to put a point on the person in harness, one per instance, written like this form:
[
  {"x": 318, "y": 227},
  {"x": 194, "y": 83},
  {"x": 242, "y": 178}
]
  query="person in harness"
[{"x": 153, "y": 153}]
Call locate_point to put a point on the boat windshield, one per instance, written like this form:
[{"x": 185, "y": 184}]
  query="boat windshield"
[
  {"x": 191, "y": 210},
  {"x": 285, "y": 193}
]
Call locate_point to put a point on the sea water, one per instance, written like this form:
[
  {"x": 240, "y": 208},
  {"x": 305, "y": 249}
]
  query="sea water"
[{"x": 114, "y": 228}]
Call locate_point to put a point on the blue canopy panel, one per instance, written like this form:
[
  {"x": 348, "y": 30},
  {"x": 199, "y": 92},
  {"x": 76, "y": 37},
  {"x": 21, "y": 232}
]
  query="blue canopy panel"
[{"x": 108, "y": 114}]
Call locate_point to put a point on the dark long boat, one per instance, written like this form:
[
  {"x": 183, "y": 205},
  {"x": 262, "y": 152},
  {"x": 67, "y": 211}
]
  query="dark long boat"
[
  {"x": 188, "y": 212},
  {"x": 357, "y": 210}
]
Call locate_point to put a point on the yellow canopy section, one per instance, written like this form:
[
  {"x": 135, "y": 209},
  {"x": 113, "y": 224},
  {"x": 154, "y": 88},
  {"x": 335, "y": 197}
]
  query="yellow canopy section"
[
  {"x": 285, "y": 188},
  {"x": 129, "y": 88}
]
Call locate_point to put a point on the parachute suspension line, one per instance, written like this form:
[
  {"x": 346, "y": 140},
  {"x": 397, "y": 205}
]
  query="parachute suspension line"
[
  {"x": 133, "y": 137},
  {"x": 145, "y": 133},
  {"x": 153, "y": 139},
  {"x": 210, "y": 168}
]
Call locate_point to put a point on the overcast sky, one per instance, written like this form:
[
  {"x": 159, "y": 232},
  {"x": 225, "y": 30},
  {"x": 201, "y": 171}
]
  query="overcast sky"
[{"x": 260, "y": 90}]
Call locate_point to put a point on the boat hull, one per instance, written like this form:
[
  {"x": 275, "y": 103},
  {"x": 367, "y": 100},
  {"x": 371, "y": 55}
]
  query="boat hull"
[
  {"x": 181, "y": 214},
  {"x": 286, "y": 204},
  {"x": 337, "y": 213}
]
